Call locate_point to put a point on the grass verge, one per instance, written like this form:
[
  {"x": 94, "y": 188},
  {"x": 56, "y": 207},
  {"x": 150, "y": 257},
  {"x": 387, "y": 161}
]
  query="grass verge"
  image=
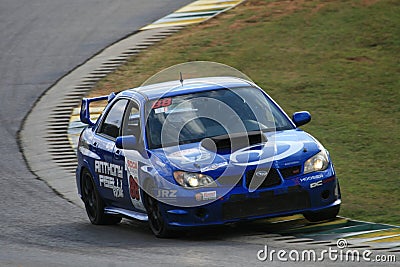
[{"x": 337, "y": 59}]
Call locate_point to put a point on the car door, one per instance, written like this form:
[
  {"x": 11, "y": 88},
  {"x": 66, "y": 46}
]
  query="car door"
[
  {"x": 109, "y": 174},
  {"x": 132, "y": 159}
]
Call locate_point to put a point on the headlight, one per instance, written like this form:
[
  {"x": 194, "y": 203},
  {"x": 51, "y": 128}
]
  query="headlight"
[
  {"x": 319, "y": 162},
  {"x": 192, "y": 180}
]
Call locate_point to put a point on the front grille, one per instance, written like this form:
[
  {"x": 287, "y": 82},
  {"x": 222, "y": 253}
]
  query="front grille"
[
  {"x": 241, "y": 207},
  {"x": 271, "y": 179},
  {"x": 291, "y": 171}
]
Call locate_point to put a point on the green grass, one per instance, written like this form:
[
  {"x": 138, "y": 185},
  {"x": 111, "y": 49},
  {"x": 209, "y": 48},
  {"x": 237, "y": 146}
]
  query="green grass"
[{"x": 340, "y": 60}]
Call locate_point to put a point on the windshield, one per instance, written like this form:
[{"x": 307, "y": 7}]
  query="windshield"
[{"x": 193, "y": 117}]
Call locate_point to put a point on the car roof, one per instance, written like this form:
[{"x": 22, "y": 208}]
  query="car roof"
[{"x": 172, "y": 88}]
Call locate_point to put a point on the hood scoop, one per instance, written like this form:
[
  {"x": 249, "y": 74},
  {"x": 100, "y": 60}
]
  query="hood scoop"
[{"x": 228, "y": 143}]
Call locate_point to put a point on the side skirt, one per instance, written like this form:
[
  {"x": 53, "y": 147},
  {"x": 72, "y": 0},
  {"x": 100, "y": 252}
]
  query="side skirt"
[{"x": 127, "y": 213}]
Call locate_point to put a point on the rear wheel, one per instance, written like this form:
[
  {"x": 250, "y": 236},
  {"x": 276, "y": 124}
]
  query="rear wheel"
[
  {"x": 156, "y": 221},
  {"x": 327, "y": 214},
  {"x": 93, "y": 203}
]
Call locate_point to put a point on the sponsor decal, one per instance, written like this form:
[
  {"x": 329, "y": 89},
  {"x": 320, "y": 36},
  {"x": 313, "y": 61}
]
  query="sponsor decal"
[
  {"x": 311, "y": 178},
  {"x": 133, "y": 183},
  {"x": 268, "y": 153},
  {"x": 133, "y": 188},
  {"x": 160, "y": 110},
  {"x": 316, "y": 184},
  {"x": 322, "y": 182},
  {"x": 166, "y": 193},
  {"x": 132, "y": 167},
  {"x": 107, "y": 168},
  {"x": 110, "y": 176},
  {"x": 209, "y": 195},
  {"x": 161, "y": 105},
  {"x": 112, "y": 183}
]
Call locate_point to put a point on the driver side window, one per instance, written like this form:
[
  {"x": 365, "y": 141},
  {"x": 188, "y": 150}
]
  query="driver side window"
[
  {"x": 111, "y": 125},
  {"x": 132, "y": 121}
]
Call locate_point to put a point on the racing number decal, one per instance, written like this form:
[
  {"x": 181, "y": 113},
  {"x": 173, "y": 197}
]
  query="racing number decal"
[
  {"x": 133, "y": 188},
  {"x": 133, "y": 183},
  {"x": 165, "y": 102}
]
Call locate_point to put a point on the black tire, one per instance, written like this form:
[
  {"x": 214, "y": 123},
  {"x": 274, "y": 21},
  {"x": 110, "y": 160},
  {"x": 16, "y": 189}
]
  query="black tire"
[
  {"x": 93, "y": 203},
  {"x": 156, "y": 221},
  {"x": 327, "y": 214}
]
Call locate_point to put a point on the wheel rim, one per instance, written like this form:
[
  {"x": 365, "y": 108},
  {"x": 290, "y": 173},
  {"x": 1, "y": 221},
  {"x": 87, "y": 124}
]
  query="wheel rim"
[
  {"x": 154, "y": 214},
  {"x": 89, "y": 197}
]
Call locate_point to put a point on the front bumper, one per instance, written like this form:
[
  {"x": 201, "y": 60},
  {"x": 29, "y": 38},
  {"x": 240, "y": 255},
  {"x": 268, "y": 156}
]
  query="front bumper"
[{"x": 240, "y": 205}]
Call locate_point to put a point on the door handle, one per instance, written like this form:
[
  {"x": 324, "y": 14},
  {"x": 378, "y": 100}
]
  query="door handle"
[
  {"x": 117, "y": 154},
  {"x": 95, "y": 146}
]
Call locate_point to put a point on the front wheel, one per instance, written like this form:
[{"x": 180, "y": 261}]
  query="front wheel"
[
  {"x": 93, "y": 203},
  {"x": 327, "y": 214},
  {"x": 156, "y": 221}
]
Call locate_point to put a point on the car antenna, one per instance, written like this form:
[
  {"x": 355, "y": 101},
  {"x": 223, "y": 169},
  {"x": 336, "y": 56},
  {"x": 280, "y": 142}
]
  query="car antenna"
[{"x": 181, "y": 79}]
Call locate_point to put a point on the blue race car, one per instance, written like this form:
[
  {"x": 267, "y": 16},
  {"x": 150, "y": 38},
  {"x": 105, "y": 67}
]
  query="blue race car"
[{"x": 200, "y": 152}]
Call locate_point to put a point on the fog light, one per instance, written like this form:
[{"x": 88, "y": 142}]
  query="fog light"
[
  {"x": 325, "y": 194},
  {"x": 201, "y": 213}
]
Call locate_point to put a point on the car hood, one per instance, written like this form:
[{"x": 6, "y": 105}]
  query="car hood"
[{"x": 280, "y": 149}]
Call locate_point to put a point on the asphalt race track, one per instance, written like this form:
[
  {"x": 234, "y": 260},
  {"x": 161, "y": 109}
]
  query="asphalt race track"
[{"x": 40, "y": 41}]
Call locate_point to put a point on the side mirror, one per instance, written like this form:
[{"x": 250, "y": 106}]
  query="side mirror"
[
  {"x": 126, "y": 142},
  {"x": 301, "y": 118}
]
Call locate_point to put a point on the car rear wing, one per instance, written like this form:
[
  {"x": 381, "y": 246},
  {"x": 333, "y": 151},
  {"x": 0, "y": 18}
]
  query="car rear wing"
[{"x": 85, "y": 112}]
